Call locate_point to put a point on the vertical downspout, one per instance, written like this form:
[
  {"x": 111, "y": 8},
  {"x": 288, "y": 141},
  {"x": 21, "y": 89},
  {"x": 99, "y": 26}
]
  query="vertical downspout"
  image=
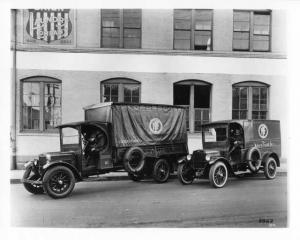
[{"x": 13, "y": 164}]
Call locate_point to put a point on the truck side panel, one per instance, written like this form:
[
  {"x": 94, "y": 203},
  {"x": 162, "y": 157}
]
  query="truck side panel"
[
  {"x": 263, "y": 134},
  {"x": 148, "y": 125}
]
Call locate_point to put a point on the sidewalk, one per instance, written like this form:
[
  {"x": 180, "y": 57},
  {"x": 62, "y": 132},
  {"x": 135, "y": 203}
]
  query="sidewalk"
[{"x": 16, "y": 175}]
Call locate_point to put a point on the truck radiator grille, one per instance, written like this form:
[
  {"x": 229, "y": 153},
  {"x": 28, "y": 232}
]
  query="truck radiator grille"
[{"x": 198, "y": 159}]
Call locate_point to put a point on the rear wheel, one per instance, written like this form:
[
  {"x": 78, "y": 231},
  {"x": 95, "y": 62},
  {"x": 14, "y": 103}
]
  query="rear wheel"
[
  {"x": 58, "y": 182},
  {"x": 161, "y": 171},
  {"x": 270, "y": 168},
  {"x": 32, "y": 188},
  {"x": 218, "y": 175},
  {"x": 185, "y": 173}
]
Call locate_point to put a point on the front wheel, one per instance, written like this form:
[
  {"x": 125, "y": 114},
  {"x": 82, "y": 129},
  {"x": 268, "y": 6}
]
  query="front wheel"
[
  {"x": 185, "y": 173},
  {"x": 218, "y": 175},
  {"x": 32, "y": 188},
  {"x": 161, "y": 171},
  {"x": 270, "y": 168},
  {"x": 58, "y": 182}
]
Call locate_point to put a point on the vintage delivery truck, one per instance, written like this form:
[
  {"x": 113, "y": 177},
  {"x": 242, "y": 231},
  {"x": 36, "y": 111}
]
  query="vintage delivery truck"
[
  {"x": 143, "y": 139},
  {"x": 231, "y": 148}
]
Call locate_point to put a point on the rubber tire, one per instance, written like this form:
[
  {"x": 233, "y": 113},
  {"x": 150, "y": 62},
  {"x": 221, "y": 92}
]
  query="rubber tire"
[
  {"x": 28, "y": 186},
  {"x": 156, "y": 170},
  {"x": 135, "y": 177},
  {"x": 212, "y": 171},
  {"x": 252, "y": 168},
  {"x": 127, "y": 158},
  {"x": 266, "y": 172},
  {"x": 49, "y": 174},
  {"x": 180, "y": 176}
]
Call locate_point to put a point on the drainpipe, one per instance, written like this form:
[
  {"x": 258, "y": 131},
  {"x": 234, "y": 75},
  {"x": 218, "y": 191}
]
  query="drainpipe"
[{"x": 13, "y": 162}]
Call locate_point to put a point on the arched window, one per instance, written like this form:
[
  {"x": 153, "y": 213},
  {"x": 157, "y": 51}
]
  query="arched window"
[
  {"x": 250, "y": 100},
  {"x": 40, "y": 103},
  {"x": 195, "y": 95},
  {"x": 120, "y": 90}
]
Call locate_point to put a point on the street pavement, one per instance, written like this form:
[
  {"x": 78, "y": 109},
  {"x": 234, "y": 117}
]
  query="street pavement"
[{"x": 246, "y": 202}]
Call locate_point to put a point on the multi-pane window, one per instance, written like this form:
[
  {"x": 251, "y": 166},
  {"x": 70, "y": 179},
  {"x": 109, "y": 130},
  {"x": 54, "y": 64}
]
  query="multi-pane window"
[
  {"x": 250, "y": 101},
  {"x": 251, "y": 30},
  {"x": 121, "y": 28},
  {"x": 120, "y": 90},
  {"x": 111, "y": 92},
  {"x": 193, "y": 29},
  {"x": 239, "y": 102},
  {"x": 41, "y": 104},
  {"x": 259, "y": 102},
  {"x": 195, "y": 96}
]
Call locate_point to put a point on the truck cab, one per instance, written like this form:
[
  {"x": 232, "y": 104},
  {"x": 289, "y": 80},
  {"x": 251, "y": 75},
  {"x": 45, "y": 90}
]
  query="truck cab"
[
  {"x": 143, "y": 139},
  {"x": 231, "y": 147}
]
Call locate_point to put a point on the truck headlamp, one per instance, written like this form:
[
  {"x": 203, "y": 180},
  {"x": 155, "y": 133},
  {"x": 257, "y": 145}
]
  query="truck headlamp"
[
  {"x": 48, "y": 157},
  {"x": 207, "y": 157},
  {"x": 189, "y": 157}
]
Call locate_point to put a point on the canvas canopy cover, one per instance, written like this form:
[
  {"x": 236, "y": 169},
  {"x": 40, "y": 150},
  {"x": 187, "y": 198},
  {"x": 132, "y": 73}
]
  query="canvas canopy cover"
[{"x": 141, "y": 124}]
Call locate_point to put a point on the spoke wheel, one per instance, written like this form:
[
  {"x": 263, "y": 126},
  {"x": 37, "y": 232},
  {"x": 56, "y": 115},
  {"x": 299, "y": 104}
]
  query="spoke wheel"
[
  {"x": 32, "y": 188},
  {"x": 270, "y": 168},
  {"x": 185, "y": 173},
  {"x": 218, "y": 175},
  {"x": 58, "y": 182},
  {"x": 161, "y": 171}
]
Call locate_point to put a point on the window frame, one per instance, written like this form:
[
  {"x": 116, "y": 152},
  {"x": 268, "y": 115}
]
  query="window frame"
[
  {"x": 193, "y": 30},
  {"x": 41, "y": 80},
  {"x": 191, "y": 109},
  {"x": 120, "y": 82},
  {"x": 250, "y": 85},
  {"x": 121, "y": 29},
  {"x": 251, "y": 29}
]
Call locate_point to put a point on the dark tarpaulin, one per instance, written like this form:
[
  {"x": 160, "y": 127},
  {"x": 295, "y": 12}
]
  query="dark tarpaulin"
[{"x": 148, "y": 125}]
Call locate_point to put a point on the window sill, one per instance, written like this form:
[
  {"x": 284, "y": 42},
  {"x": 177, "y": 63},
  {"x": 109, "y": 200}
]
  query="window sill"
[
  {"x": 235, "y": 54},
  {"x": 46, "y": 134}
]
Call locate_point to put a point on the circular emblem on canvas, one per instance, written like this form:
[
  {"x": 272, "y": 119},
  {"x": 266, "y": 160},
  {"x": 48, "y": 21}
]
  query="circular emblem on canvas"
[
  {"x": 155, "y": 126},
  {"x": 263, "y": 130}
]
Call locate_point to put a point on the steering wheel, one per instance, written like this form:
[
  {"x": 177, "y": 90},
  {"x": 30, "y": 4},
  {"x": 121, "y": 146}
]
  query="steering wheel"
[{"x": 101, "y": 141}]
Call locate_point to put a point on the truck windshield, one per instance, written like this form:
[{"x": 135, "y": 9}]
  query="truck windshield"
[
  {"x": 215, "y": 134},
  {"x": 70, "y": 136}
]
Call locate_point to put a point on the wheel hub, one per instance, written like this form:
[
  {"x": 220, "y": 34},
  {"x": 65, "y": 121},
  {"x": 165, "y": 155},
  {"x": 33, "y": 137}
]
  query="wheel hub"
[{"x": 220, "y": 174}]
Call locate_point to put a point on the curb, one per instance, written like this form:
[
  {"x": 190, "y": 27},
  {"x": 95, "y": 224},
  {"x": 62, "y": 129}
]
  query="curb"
[{"x": 122, "y": 178}]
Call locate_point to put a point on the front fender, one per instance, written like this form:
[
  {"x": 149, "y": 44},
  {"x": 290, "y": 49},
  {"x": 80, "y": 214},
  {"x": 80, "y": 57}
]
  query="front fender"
[
  {"x": 224, "y": 160},
  {"x": 29, "y": 164},
  {"x": 182, "y": 160},
  {"x": 212, "y": 161},
  {"x": 76, "y": 173}
]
